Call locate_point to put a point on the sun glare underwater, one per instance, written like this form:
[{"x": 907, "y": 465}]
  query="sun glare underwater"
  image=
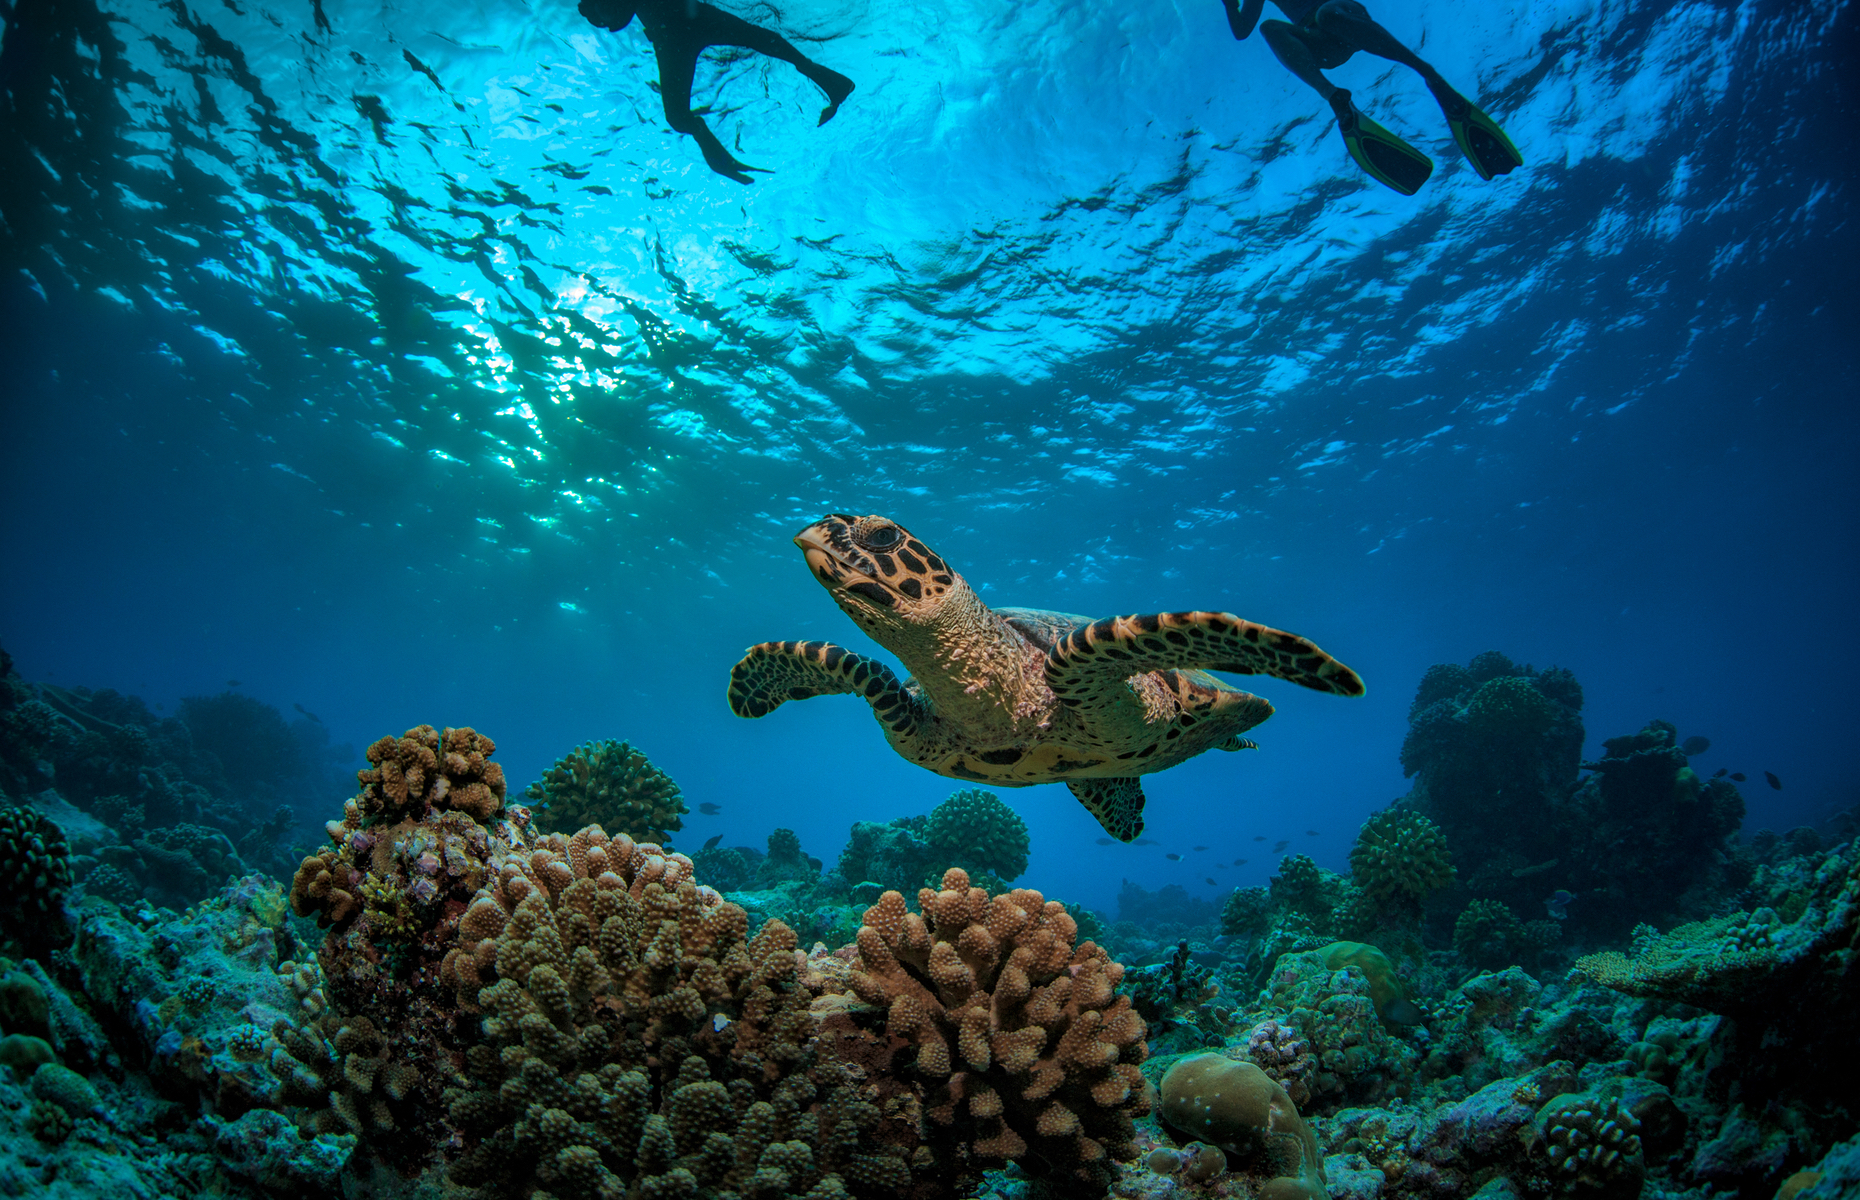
[{"x": 628, "y": 601}]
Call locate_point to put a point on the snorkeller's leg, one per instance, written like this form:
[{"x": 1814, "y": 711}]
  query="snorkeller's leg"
[
  {"x": 719, "y": 28},
  {"x": 1382, "y": 156},
  {"x": 1295, "y": 53},
  {"x": 1485, "y": 145},
  {"x": 677, "y": 65}
]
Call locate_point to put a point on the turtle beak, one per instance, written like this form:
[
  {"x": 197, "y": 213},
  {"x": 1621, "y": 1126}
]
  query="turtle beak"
[
  {"x": 820, "y": 558},
  {"x": 832, "y": 566}
]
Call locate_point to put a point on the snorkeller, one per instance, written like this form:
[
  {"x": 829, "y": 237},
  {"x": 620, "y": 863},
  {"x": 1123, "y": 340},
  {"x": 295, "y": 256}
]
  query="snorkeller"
[
  {"x": 1324, "y": 34},
  {"x": 679, "y": 31}
]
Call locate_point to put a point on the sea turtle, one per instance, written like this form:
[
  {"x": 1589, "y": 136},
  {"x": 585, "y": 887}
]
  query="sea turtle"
[{"x": 1017, "y": 696}]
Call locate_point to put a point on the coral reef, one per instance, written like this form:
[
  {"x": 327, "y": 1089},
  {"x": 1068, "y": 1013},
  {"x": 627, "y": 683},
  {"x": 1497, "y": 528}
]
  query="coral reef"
[
  {"x": 35, "y": 876},
  {"x": 1643, "y": 838},
  {"x": 1334, "y": 1010},
  {"x": 785, "y": 862},
  {"x": 412, "y": 851},
  {"x": 636, "y": 1043},
  {"x": 1399, "y": 859},
  {"x": 184, "y": 992},
  {"x": 171, "y": 865},
  {"x": 992, "y": 1039},
  {"x": 611, "y": 784},
  {"x": 894, "y": 855},
  {"x": 974, "y": 830},
  {"x": 27, "y": 725},
  {"x": 1239, "y": 1108},
  {"x": 1591, "y": 1146}
]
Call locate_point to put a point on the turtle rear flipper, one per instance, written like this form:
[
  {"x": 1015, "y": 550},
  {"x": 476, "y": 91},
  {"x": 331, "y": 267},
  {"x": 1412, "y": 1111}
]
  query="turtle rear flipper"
[
  {"x": 772, "y": 673},
  {"x": 1080, "y": 666},
  {"x": 1117, "y": 803}
]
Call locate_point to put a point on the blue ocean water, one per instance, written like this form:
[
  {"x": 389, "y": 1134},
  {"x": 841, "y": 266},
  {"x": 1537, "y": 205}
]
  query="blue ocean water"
[{"x": 400, "y": 363}]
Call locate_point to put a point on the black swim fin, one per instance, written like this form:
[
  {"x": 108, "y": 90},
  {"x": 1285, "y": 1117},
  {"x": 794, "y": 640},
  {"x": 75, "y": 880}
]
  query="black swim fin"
[
  {"x": 1383, "y": 156},
  {"x": 1485, "y": 145}
]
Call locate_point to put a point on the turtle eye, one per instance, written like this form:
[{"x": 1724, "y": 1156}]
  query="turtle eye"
[{"x": 883, "y": 538}]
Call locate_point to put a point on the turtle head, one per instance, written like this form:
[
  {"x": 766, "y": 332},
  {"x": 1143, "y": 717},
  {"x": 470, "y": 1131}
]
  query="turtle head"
[{"x": 875, "y": 569}]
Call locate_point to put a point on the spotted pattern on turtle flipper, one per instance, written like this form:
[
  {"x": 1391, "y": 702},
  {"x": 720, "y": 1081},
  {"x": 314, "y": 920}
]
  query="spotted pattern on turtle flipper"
[
  {"x": 1236, "y": 742},
  {"x": 1116, "y": 648},
  {"x": 772, "y": 673},
  {"x": 1117, "y": 803}
]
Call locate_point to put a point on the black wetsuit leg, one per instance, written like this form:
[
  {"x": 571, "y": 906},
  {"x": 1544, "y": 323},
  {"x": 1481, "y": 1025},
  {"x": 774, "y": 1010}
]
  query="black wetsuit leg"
[
  {"x": 1306, "y": 52},
  {"x": 677, "y": 50},
  {"x": 1348, "y": 24},
  {"x": 719, "y": 28}
]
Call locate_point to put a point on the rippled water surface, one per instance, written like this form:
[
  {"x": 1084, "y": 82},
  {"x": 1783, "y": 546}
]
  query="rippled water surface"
[{"x": 398, "y": 360}]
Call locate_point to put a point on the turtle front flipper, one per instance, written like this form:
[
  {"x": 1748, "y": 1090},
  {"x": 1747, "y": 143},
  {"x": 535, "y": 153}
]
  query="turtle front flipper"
[
  {"x": 775, "y": 672},
  {"x": 1080, "y": 665},
  {"x": 1117, "y": 803}
]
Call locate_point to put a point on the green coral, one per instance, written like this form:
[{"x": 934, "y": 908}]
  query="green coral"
[
  {"x": 974, "y": 830},
  {"x": 1247, "y": 912},
  {"x": 1510, "y": 706},
  {"x": 611, "y": 784},
  {"x": 786, "y": 862},
  {"x": 35, "y": 875},
  {"x": 1488, "y": 934},
  {"x": 1399, "y": 858}
]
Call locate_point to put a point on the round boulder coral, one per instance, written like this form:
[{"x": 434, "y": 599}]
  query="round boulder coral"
[
  {"x": 611, "y": 784},
  {"x": 973, "y": 829},
  {"x": 1399, "y": 858},
  {"x": 35, "y": 875},
  {"x": 1236, "y": 1106},
  {"x": 1488, "y": 934}
]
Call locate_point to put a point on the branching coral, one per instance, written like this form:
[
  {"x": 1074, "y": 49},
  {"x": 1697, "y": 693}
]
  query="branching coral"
[
  {"x": 636, "y": 1044},
  {"x": 1488, "y": 934},
  {"x": 1399, "y": 859},
  {"x": 974, "y": 830},
  {"x": 404, "y": 862},
  {"x": 611, "y": 784},
  {"x": 1592, "y": 1145},
  {"x": 424, "y": 770},
  {"x": 35, "y": 876},
  {"x": 992, "y": 1038}
]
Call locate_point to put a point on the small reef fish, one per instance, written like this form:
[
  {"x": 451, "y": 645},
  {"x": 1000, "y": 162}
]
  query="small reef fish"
[
  {"x": 1144, "y": 842},
  {"x": 233, "y": 683},
  {"x": 1279, "y": 847},
  {"x": 1104, "y": 841},
  {"x": 709, "y": 809},
  {"x": 1737, "y": 777},
  {"x": 1721, "y": 772},
  {"x": 1260, "y": 838},
  {"x": 1312, "y": 833},
  {"x": 712, "y": 843},
  {"x": 1557, "y": 903},
  {"x": 1774, "y": 782},
  {"x": 307, "y": 713},
  {"x": 1211, "y": 883},
  {"x": 1240, "y": 862},
  {"x": 1201, "y": 847},
  {"x": 1173, "y": 857},
  {"x": 1694, "y": 746}
]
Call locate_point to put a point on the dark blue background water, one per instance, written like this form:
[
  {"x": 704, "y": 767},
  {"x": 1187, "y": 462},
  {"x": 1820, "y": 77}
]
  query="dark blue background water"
[{"x": 399, "y": 363}]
